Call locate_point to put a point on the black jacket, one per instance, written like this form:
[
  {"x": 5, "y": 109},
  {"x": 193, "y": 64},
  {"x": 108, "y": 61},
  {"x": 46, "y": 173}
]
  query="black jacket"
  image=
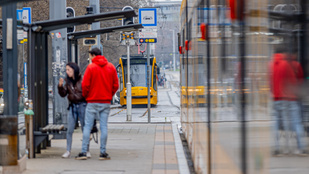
[{"x": 75, "y": 93}]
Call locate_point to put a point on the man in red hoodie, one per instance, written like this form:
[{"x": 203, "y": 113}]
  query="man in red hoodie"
[
  {"x": 282, "y": 82},
  {"x": 99, "y": 85}
]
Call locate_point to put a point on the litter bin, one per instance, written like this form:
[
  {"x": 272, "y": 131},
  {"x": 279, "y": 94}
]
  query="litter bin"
[{"x": 8, "y": 140}]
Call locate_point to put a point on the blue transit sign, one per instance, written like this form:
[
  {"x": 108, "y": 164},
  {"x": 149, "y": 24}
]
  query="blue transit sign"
[
  {"x": 19, "y": 14},
  {"x": 25, "y": 75},
  {"x": 26, "y": 15},
  {"x": 147, "y": 16},
  {"x": 148, "y": 40}
]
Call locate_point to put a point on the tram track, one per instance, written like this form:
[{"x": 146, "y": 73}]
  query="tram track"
[
  {"x": 126, "y": 109},
  {"x": 117, "y": 112},
  {"x": 172, "y": 84},
  {"x": 170, "y": 100},
  {"x": 144, "y": 113}
]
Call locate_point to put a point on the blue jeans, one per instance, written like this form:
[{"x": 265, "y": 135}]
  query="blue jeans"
[
  {"x": 75, "y": 111},
  {"x": 295, "y": 113},
  {"x": 288, "y": 113},
  {"x": 93, "y": 110}
]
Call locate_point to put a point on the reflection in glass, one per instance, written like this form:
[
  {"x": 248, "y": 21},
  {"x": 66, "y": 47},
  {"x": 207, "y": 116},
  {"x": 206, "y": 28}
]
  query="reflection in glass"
[{"x": 137, "y": 74}]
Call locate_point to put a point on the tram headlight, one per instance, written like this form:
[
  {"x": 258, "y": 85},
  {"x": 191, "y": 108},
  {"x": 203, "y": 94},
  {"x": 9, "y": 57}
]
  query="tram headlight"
[{"x": 2, "y": 104}]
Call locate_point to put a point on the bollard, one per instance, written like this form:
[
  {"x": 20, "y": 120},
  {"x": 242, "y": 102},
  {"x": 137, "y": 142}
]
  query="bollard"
[
  {"x": 8, "y": 140},
  {"x": 29, "y": 132}
]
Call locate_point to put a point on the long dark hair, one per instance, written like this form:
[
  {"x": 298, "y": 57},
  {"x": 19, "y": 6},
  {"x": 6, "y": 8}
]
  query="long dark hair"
[{"x": 77, "y": 76}]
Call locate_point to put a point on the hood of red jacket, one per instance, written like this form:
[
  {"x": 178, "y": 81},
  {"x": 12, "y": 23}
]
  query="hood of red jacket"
[
  {"x": 100, "y": 60},
  {"x": 279, "y": 57}
]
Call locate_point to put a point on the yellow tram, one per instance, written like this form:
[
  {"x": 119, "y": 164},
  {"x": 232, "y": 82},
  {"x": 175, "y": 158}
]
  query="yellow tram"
[{"x": 138, "y": 79}]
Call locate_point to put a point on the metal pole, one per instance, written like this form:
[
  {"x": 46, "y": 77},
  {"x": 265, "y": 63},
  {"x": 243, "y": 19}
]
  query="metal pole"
[
  {"x": 96, "y": 25},
  {"x": 10, "y": 149},
  {"x": 73, "y": 52},
  {"x": 25, "y": 74},
  {"x": 57, "y": 10},
  {"x": 208, "y": 66},
  {"x": 174, "y": 54},
  {"x": 9, "y": 45},
  {"x": 303, "y": 38},
  {"x": 148, "y": 83},
  {"x": 242, "y": 52},
  {"x": 129, "y": 96}
]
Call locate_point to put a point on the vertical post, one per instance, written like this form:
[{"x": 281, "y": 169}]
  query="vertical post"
[
  {"x": 95, "y": 4},
  {"x": 148, "y": 83},
  {"x": 29, "y": 135},
  {"x": 242, "y": 50},
  {"x": 174, "y": 53},
  {"x": 70, "y": 51},
  {"x": 76, "y": 53},
  {"x": 208, "y": 90},
  {"x": 31, "y": 74},
  {"x": 10, "y": 59},
  {"x": 129, "y": 96},
  {"x": 73, "y": 52},
  {"x": 303, "y": 38},
  {"x": 223, "y": 51},
  {"x": 25, "y": 74},
  {"x": 9, "y": 121},
  {"x": 59, "y": 52}
]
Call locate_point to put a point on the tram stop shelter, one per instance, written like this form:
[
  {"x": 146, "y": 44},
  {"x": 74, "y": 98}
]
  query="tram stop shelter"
[{"x": 38, "y": 60}]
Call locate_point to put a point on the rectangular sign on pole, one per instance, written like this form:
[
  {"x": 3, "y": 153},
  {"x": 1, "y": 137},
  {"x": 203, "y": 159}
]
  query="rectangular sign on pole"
[
  {"x": 147, "y": 16},
  {"x": 19, "y": 14},
  {"x": 148, "y": 40},
  {"x": 147, "y": 34},
  {"x": 20, "y": 36},
  {"x": 26, "y": 15}
]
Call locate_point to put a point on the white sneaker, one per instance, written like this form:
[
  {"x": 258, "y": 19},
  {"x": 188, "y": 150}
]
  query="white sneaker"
[
  {"x": 88, "y": 155},
  {"x": 67, "y": 154}
]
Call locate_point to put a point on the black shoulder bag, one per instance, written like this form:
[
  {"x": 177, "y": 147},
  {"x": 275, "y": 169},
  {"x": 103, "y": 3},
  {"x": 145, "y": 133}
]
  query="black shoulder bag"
[{"x": 95, "y": 131}]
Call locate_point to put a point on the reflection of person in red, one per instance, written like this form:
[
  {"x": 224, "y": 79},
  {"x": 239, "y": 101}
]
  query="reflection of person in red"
[
  {"x": 283, "y": 81},
  {"x": 297, "y": 68}
]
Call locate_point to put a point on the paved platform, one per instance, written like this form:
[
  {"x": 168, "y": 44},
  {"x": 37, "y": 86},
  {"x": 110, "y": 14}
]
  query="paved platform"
[{"x": 134, "y": 149}]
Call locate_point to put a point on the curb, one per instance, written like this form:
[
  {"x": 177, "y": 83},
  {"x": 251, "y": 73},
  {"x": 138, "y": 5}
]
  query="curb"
[{"x": 181, "y": 157}]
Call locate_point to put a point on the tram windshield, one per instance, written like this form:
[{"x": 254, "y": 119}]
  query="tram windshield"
[{"x": 138, "y": 74}]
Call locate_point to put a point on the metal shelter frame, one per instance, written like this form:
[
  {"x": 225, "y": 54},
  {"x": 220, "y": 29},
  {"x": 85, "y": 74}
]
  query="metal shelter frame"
[
  {"x": 73, "y": 37},
  {"x": 38, "y": 61}
]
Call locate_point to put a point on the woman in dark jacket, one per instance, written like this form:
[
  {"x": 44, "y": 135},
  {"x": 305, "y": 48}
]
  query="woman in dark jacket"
[{"x": 73, "y": 90}]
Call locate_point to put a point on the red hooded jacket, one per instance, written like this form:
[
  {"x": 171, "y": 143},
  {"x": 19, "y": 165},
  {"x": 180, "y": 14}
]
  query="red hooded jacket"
[
  {"x": 297, "y": 69},
  {"x": 100, "y": 81},
  {"x": 282, "y": 78}
]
